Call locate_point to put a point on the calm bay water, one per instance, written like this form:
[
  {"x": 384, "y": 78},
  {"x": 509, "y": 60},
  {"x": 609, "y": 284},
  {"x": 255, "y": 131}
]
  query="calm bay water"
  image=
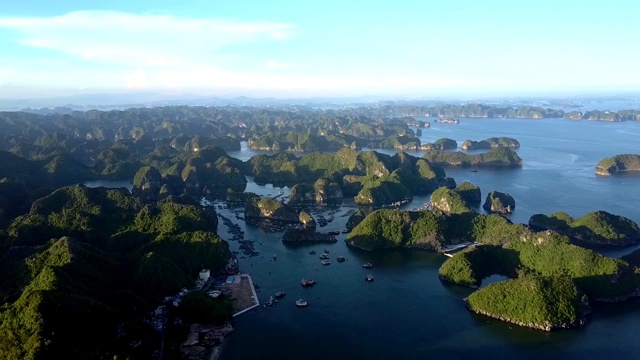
[{"x": 407, "y": 312}]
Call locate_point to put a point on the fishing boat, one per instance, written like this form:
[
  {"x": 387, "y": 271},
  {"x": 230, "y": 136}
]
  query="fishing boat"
[
  {"x": 325, "y": 262},
  {"x": 307, "y": 283},
  {"x": 301, "y": 303},
  {"x": 279, "y": 294}
]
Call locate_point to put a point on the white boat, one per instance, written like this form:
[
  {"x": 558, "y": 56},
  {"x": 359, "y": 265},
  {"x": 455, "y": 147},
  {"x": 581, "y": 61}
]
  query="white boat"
[
  {"x": 325, "y": 262},
  {"x": 369, "y": 278},
  {"x": 301, "y": 303}
]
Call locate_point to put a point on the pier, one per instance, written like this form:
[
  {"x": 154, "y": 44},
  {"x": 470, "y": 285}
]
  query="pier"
[{"x": 243, "y": 293}]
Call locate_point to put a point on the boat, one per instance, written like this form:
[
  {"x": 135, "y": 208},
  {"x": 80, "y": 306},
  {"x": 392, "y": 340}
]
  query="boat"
[
  {"x": 448, "y": 121},
  {"x": 367, "y": 265},
  {"x": 279, "y": 294},
  {"x": 344, "y": 231},
  {"x": 325, "y": 262},
  {"x": 312, "y": 252},
  {"x": 341, "y": 259},
  {"x": 324, "y": 257},
  {"x": 368, "y": 278},
  {"x": 326, "y": 251},
  {"x": 301, "y": 303},
  {"x": 307, "y": 283}
]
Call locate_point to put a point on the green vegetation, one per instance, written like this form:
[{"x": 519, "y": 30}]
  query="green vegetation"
[
  {"x": 296, "y": 142},
  {"x": 302, "y": 193},
  {"x": 200, "y": 308},
  {"x": 404, "y": 142},
  {"x": 469, "y": 193},
  {"x": 540, "y": 302},
  {"x": 496, "y": 157},
  {"x": 596, "y": 227},
  {"x": 545, "y": 254},
  {"x": 88, "y": 293},
  {"x": 372, "y": 178},
  {"x": 270, "y": 209},
  {"x": 618, "y": 164},
  {"x": 441, "y": 144},
  {"x": 490, "y": 143},
  {"x": 448, "y": 201},
  {"x": 387, "y": 189},
  {"x": 394, "y": 228},
  {"x": 499, "y": 202}
]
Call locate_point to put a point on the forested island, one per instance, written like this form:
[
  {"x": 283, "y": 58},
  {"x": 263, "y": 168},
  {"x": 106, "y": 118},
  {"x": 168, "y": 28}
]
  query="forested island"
[
  {"x": 490, "y": 143},
  {"x": 618, "y": 164},
  {"x": 83, "y": 267},
  {"x": 562, "y": 276}
]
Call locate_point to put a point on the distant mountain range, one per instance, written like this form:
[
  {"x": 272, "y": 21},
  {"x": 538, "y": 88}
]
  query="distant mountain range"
[{"x": 125, "y": 100}]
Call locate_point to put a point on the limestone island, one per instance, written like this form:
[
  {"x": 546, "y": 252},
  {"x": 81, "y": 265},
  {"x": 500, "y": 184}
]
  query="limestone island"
[
  {"x": 271, "y": 209},
  {"x": 544, "y": 303},
  {"x": 594, "y": 228},
  {"x": 440, "y": 144},
  {"x": 490, "y": 143},
  {"x": 496, "y": 157},
  {"x": 498, "y": 202},
  {"x": 552, "y": 281},
  {"x": 618, "y": 164}
]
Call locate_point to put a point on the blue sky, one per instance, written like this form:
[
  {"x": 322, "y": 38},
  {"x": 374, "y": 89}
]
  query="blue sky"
[{"x": 329, "y": 48}]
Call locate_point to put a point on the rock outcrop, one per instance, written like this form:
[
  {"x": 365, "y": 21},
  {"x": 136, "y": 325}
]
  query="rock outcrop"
[
  {"x": 268, "y": 208},
  {"x": 498, "y": 202},
  {"x": 327, "y": 190},
  {"x": 302, "y": 193},
  {"x": 147, "y": 183},
  {"x": 307, "y": 220},
  {"x": 469, "y": 193}
]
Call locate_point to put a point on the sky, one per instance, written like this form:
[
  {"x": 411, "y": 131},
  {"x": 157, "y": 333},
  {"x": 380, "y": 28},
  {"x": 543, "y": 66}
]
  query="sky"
[{"x": 296, "y": 49}]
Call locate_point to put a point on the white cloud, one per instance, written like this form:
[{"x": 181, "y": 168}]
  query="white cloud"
[{"x": 140, "y": 40}]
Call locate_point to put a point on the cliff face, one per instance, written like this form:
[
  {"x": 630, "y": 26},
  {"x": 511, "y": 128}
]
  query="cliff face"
[
  {"x": 448, "y": 201},
  {"x": 302, "y": 193},
  {"x": 307, "y": 220},
  {"x": 268, "y": 208},
  {"x": 326, "y": 190},
  {"x": 147, "y": 183},
  {"x": 469, "y": 193},
  {"x": 498, "y": 202}
]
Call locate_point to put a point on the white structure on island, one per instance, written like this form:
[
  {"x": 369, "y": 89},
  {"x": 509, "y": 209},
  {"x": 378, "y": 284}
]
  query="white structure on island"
[{"x": 205, "y": 274}]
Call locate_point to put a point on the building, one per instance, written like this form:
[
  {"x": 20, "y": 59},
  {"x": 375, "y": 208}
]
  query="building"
[{"x": 205, "y": 274}]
